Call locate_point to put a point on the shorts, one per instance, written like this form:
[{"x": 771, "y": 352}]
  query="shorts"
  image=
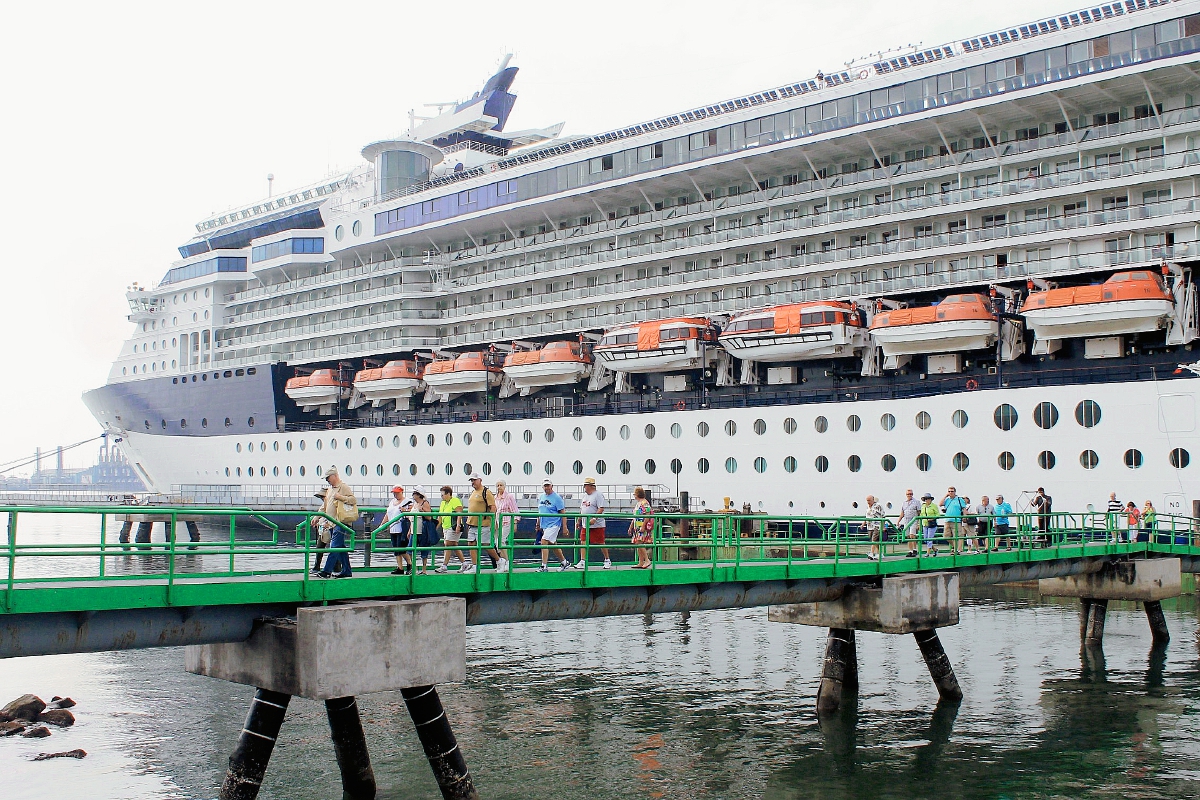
[
  {"x": 1002, "y": 529},
  {"x": 930, "y": 534},
  {"x": 483, "y": 535},
  {"x": 550, "y": 535},
  {"x": 875, "y": 537},
  {"x": 399, "y": 540},
  {"x": 596, "y": 535},
  {"x": 452, "y": 535}
]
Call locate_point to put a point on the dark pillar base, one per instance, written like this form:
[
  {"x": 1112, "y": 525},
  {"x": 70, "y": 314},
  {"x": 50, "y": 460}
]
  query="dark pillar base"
[
  {"x": 939, "y": 665},
  {"x": 837, "y": 672},
  {"x": 441, "y": 748},
  {"x": 1085, "y": 613},
  {"x": 1094, "y": 630},
  {"x": 144, "y": 530},
  {"x": 350, "y": 747},
  {"x": 193, "y": 529},
  {"x": 126, "y": 529},
  {"x": 248, "y": 763},
  {"x": 1158, "y": 622}
]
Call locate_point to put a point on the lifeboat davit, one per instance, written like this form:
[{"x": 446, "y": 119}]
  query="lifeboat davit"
[
  {"x": 666, "y": 345},
  {"x": 321, "y": 391},
  {"x": 960, "y": 322},
  {"x": 1128, "y": 302},
  {"x": 796, "y": 332},
  {"x": 467, "y": 373},
  {"x": 395, "y": 381},
  {"x": 555, "y": 364}
]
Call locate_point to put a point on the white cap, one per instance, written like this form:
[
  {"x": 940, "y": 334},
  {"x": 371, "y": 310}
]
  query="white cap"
[
  {"x": 475, "y": 477},
  {"x": 331, "y": 472},
  {"x": 547, "y": 481},
  {"x": 418, "y": 489}
]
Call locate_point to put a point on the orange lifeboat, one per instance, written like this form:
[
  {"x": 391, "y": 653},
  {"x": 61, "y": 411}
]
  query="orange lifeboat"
[
  {"x": 395, "y": 381},
  {"x": 554, "y": 364},
  {"x": 796, "y": 332},
  {"x": 958, "y": 323},
  {"x": 666, "y": 345},
  {"x": 1128, "y": 302},
  {"x": 469, "y": 372},
  {"x": 321, "y": 391}
]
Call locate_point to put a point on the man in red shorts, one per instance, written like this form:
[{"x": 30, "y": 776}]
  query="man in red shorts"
[{"x": 591, "y": 503}]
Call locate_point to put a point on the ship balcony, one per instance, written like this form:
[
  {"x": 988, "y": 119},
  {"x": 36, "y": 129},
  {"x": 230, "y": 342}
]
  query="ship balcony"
[
  {"x": 398, "y": 293},
  {"x": 422, "y": 264}
]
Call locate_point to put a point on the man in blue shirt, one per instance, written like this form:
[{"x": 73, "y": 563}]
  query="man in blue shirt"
[
  {"x": 953, "y": 507},
  {"x": 549, "y": 525},
  {"x": 1002, "y": 510}
]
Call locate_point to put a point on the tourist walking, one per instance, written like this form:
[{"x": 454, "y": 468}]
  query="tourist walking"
[
  {"x": 874, "y": 524},
  {"x": 341, "y": 505},
  {"x": 1133, "y": 520},
  {"x": 549, "y": 525},
  {"x": 907, "y": 521},
  {"x": 400, "y": 528},
  {"x": 591, "y": 504},
  {"x": 481, "y": 508},
  {"x": 953, "y": 507},
  {"x": 1150, "y": 522},
  {"x": 1002, "y": 511},
  {"x": 1044, "y": 504},
  {"x": 983, "y": 524},
  {"x": 929, "y": 517},
  {"x": 427, "y": 530},
  {"x": 452, "y": 525},
  {"x": 1115, "y": 519},
  {"x": 641, "y": 528},
  {"x": 507, "y": 511}
]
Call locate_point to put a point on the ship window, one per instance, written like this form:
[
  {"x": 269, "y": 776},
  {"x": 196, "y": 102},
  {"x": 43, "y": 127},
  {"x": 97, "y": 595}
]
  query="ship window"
[
  {"x": 888, "y": 462},
  {"x": 676, "y": 466},
  {"x": 601, "y": 433},
  {"x": 577, "y": 434},
  {"x": 960, "y": 461},
  {"x": 731, "y": 465},
  {"x": 676, "y": 430},
  {"x": 730, "y": 428},
  {"x": 959, "y": 418},
  {"x": 853, "y": 423},
  {"x": 760, "y": 427},
  {"x": 923, "y": 420},
  {"x": 204, "y": 424},
  {"x": 527, "y": 468},
  {"x": 412, "y": 441},
  {"x": 821, "y": 424},
  {"x": 887, "y": 422},
  {"x": 854, "y": 463},
  {"x": 320, "y": 444},
  {"x": 301, "y": 472},
  {"x": 649, "y": 431},
  {"x": 1133, "y": 459},
  {"x": 1046, "y": 459},
  {"x": 702, "y": 429},
  {"x": 924, "y": 462},
  {"x": 548, "y": 467},
  {"x": 412, "y": 469},
  {"x": 789, "y": 425},
  {"x": 760, "y": 464},
  {"x": 449, "y": 439},
  {"x": 288, "y": 444},
  {"x": 239, "y": 472},
  {"x": 1088, "y": 459},
  {"x": 395, "y": 469},
  {"x": 275, "y": 446},
  {"x": 379, "y": 441},
  {"x": 262, "y": 447},
  {"x": 301, "y": 444},
  {"x": 650, "y": 466},
  {"x": 1045, "y": 415},
  {"x": 506, "y": 468},
  {"x": 228, "y": 422},
  {"x": 1087, "y": 413},
  {"x": 333, "y": 443},
  {"x": 339, "y": 233},
  {"x": 702, "y": 466},
  {"x": 624, "y": 466},
  {"x": 601, "y": 467},
  {"x": 577, "y": 467},
  {"x": 822, "y": 464},
  {"x": 356, "y": 228},
  {"x": 507, "y": 437},
  {"x": 395, "y": 441},
  {"x": 227, "y": 472},
  {"x": 363, "y": 442},
  {"x": 1005, "y": 417},
  {"x": 624, "y": 431},
  {"x": 1180, "y": 458},
  {"x": 164, "y": 424},
  {"x": 362, "y": 470},
  {"x": 789, "y": 464},
  {"x": 466, "y": 468},
  {"x": 486, "y": 468},
  {"x": 487, "y": 437},
  {"x": 549, "y": 434},
  {"x": 238, "y": 447},
  {"x": 430, "y": 469}
]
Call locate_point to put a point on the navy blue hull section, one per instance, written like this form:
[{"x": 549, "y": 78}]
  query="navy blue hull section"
[{"x": 215, "y": 403}]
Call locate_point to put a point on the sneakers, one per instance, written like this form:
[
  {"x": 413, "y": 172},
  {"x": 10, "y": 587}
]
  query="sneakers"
[
  {"x": 324, "y": 574},
  {"x": 467, "y": 569},
  {"x": 607, "y": 564},
  {"x": 912, "y": 553},
  {"x": 542, "y": 568},
  {"x": 564, "y": 566},
  {"x": 397, "y": 571},
  {"x": 581, "y": 564},
  {"x": 502, "y": 565},
  {"x": 441, "y": 569}
]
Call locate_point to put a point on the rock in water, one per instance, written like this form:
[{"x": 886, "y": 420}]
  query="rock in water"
[
  {"x": 40, "y": 732},
  {"x": 27, "y": 706},
  {"x": 11, "y": 728},
  {"x": 62, "y": 702},
  {"x": 67, "y": 754},
  {"x": 57, "y": 716}
]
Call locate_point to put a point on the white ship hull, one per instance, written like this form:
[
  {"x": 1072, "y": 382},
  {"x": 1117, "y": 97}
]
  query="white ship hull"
[
  {"x": 1115, "y": 318},
  {"x": 950, "y": 336},
  {"x": 552, "y": 373}
]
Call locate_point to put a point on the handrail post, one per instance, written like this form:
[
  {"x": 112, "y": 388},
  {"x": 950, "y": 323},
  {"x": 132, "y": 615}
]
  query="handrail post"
[
  {"x": 232, "y": 540},
  {"x": 171, "y": 555},
  {"x": 103, "y": 540},
  {"x": 12, "y": 558}
]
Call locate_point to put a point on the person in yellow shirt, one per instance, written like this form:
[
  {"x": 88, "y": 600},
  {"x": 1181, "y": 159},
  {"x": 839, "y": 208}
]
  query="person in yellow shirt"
[
  {"x": 481, "y": 506},
  {"x": 451, "y": 529}
]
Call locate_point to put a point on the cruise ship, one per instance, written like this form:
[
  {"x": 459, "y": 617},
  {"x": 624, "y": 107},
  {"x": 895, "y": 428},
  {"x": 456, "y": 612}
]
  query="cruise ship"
[{"x": 969, "y": 265}]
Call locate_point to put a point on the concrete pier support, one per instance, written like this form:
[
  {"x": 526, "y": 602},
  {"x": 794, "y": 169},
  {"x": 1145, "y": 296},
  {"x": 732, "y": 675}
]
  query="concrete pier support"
[
  {"x": 126, "y": 529},
  {"x": 193, "y": 530},
  {"x": 1158, "y": 622},
  {"x": 248, "y": 764},
  {"x": 350, "y": 748},
  {"x": 839, "y": 672},
  {"x": 939, "y": 665},
  {"x": 144, "y": 531},
  {"x": 1093, "y": 633},
  {"x": 437, "y": 740},
  {"x": 1149, "y": 581}
]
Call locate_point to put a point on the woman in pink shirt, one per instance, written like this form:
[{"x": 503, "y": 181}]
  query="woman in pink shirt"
[{"x": 506, "y": 507}]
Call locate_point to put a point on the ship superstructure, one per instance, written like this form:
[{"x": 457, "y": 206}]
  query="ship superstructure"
[{"x": 897, "y": 236}]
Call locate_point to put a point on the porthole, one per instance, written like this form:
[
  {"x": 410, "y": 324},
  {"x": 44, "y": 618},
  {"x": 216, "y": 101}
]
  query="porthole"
[
  {"x": 702, "y": 429},
  {"x": 760, "y": 465},
  {"x": 363, "y": 443},
  {"x": 250, "y": 422},
  {"x": 577, "y": 467},
  {"x": 395, "y": 441},
  {"x": 288, "y": 471},
  {"x": 467, "y": 470},
  {"x": 549, "y": 435},
  {"x": 1006, "y": 460},
  {"x": 960, "y": 461},
  {"x": 923, "y": 420},
  {"x": 577, "y": 434},
  {"x": 702, "y": 465},
  {"x": 238, "y": 447},
  {"x": 228, "y": 422},
  {"x": 163, "y": 423},
  {"x": 379, "y": 470},
  {"x": 676, "y": 430},
  {"x": 339, "y": 233},
  {"x": 888, "y": 462},
  {"x": 821, "y": 424},
  {"x": 379, "y": 441},
  {"x": 760, "y": 427},
  {"x": 227, "y": 472},
  {"x": 412, "y": 469},
  {"x": 887, "y": 422},
  {"x": 548, "y": 467},
  {"x": 649, "y": 431},
  {"x": 624, "y": 432},
  {"x": 601, "y": 467},
  {"x": 183, "y": 423},
  {"x": 302, "y": 444},
  {"x": 468, "y": 438},
  {"x": 487, "y": 437},
  {"x": 356, "y": 228},
  {"x": 676, "y": 466},
  {"x": 506, "y": 468},
  {"x": 853, "y": 423},
  {"x": 650, "y": 466},
  {"x": 1180, "y": 458},
  {"x": 430, "y": 469},
  {"x": 275, "y": 446},
  {"x": 486, "y": 468},
  {"x": 959, "y": 418},
  {"x": 924, "y": 462},
  {"x": 507, "y": 437},
  {"x": 239, "y": 472},
  {"x": 204, "y": 424},
  {"x": 1133, "y": 459},
  {"x": 333, "y": 444},
  {"x": 789, "y": 425},
  {"x": 730, "y": 428},
  {"x": 1005, "y": 417},
  {"x": 395, "y": 469},
  {"x": 527, "y": 468},
  {"x": 601, "y": 433},
  {"x": 1046, "y": 459},
  {"x": 1087, "y": 413},
  {"x": 821, "y": 463},
  {"x": 1045, "y": 415},
  {"x": 362, "y": 470},
  {"x": 320, "y": 444},
  {"x": 412, "y": 441},
  {"x": 731, "y": 465},
  {"x": 789, "y": 464},
  {"x": 1088, "y": 459},
  {"x": 527, "y": 436},
  {"x": 854, "y": 463},
  {"x": 624, "y": 466},
  {"x": 262, "y": 447},
  {"x": 288, "y": 444},
  {"x": 301, "y": 471}
]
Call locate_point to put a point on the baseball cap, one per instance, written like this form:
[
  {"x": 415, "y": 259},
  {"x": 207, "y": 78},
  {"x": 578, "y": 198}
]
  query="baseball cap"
[
  {"x": 331, "y": 472},
  {"x": 397, "y": 489},
  {"x": 475, "y": 477},
  {"x": 547, "y": 481}
]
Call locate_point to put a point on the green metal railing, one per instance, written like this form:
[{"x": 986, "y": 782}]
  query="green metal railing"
[{"x": 254, "y": 557}]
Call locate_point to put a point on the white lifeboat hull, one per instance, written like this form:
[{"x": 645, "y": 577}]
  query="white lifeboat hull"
[
  {"x": 383, "y": 390},
  {"x": 464, "y": 382},
  {"x": 1112, "y": 318},
  {"x": 667, "y": 358},
  {"x": 949, "y": 336},
  {"x": 819, "y": 341},
  {"x": 550, "y": 373},
  {"x": 311, "y": 398}
]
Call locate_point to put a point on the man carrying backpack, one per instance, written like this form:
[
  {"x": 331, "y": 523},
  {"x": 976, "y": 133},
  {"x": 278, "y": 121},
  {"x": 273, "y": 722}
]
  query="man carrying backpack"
[{"x": 481, "y": 507}]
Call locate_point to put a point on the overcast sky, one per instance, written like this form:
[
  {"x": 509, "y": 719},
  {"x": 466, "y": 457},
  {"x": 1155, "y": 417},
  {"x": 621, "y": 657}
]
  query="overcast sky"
[{"x": 124, "y": 124}]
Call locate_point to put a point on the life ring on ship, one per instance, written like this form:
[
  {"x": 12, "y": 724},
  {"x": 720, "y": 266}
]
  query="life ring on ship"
[
  {"x": 972, "y": 384},
  {"x": 862, "y": 73},
  {"x": 680, "y": 405},
  {"x": 474, "y": 416},
  {"x": 492, "y": 167},
  {"x": 329, "y": 425}
]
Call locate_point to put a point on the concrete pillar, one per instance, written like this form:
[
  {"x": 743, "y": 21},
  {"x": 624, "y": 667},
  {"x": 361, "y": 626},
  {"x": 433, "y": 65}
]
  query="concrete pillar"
[
  {"x": 350, "y": 747},
  {"x": 850, "y": 682},
  {"x": 1094, "y": 634},
  {"x": 437, "y": 739},
  {"x": 126, "y": 529},
  {"x": 1158, "y": 622},
  {"x": 144, "y": 531},
  {"x": 248, "y": 763},
  {"x": 1085, "y": 612},
  {"x": 839, "y": 655},
  {"x": 939, "y": 665}
]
